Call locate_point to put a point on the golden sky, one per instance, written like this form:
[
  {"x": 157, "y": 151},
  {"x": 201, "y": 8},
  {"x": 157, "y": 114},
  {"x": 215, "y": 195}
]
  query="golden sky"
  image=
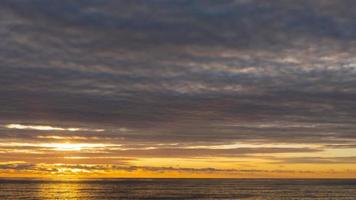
[{"x": 67, "y": 152}]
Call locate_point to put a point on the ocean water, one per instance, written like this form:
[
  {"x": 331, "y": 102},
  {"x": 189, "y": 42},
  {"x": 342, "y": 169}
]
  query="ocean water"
[{"x": 261, "y": 189}]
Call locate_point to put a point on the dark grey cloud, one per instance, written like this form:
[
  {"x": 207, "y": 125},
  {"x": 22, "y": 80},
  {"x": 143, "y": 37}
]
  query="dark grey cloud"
[
  {"x": 17, "y": 166},
  {"x": 187, "y": 72}
]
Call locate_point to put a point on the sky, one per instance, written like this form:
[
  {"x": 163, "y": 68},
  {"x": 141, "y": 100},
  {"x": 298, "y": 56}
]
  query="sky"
[{"x": 178, "y": 88}]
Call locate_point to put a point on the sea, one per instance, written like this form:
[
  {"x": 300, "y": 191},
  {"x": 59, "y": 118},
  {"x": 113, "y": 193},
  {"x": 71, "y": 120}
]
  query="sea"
[{"x": 252, "y": 189}]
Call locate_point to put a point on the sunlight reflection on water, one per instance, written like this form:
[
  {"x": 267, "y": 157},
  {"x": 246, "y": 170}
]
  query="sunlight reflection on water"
[
  {"x": 178, "y": 189},
  {"x": 61, "y": 190}
]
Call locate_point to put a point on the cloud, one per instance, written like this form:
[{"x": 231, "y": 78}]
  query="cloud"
[
  {"x": 58, "y": 151},
  {"x": 85, "y": 168},
  {"x": 320, "y": 160},
  {"x": 48, "y": 128},
  {"x": 201, "y": 152},
  {"x": 17, "y": 166}
]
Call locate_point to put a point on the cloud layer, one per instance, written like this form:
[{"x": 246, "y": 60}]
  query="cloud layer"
[{"x": 159, "y": 77}]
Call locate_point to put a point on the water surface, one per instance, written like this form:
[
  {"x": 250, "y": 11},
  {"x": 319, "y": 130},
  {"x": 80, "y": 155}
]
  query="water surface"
[{"x": 178, "y": 189}]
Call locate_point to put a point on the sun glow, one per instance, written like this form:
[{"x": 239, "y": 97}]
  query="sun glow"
[{"x": 73, "y": 146}]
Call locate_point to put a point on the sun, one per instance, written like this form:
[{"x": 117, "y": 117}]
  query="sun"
[
  {"x": 65, "y": 146},
  {"x": 74, "y": 146}
]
